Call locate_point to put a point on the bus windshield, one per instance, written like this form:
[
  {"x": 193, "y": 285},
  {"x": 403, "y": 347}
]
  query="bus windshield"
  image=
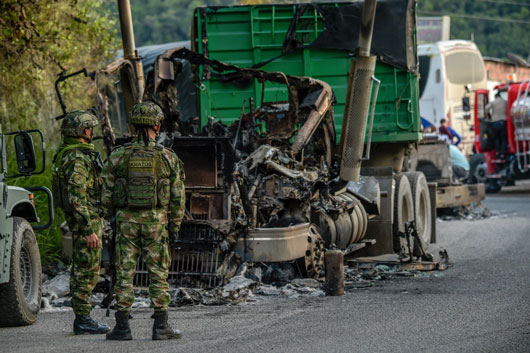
[{"x": 464, "y": 67}]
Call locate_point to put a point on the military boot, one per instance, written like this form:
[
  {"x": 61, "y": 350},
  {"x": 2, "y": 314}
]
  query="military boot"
[
  {"x": 161, "y": 328},
  {"x": 122, "y": 331},
  {"x": 84, "y": 324}
]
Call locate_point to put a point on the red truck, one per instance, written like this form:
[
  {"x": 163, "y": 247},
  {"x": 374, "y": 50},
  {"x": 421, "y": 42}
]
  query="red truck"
[{"x": 495, "y": 168}]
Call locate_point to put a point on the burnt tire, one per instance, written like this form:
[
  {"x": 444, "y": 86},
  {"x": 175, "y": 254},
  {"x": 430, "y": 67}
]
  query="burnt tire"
[
  {"x": 422, "y": 208},
  {"x": 403, "y": 209},
  {"x": 477, "y": 169},
  {"x": 20, "y": 298}
]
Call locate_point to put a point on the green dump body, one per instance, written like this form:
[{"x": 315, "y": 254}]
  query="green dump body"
[{"x": 250, "y": 35}]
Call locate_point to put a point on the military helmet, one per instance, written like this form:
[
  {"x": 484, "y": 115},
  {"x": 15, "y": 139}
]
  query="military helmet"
[
  {"x": 75, "y": 123},
  {"x": 146, "y": 113}
]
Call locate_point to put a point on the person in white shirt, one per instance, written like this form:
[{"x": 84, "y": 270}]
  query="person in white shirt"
[{"x": 497, "y": 110}]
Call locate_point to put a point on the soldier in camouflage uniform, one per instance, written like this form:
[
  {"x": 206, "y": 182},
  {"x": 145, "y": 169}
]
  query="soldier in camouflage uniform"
[
  {"x": 76, "y": 180},
  {"x": 143, "y": 186}
]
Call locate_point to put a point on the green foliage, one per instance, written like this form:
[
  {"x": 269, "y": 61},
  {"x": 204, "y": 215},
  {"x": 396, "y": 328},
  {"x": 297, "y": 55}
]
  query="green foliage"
[
  {"x": 49, "y": 240},
  {"x": 39, "y": 39},
  {"x": 492, "y": 23},
  {"x": 497, "y": 27}
]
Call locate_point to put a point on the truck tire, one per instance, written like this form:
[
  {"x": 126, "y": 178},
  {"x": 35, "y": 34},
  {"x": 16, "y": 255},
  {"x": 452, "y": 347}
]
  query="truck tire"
[
  {"x": 492, "y": 186},
  {"x": 477, "y": 169},
  {"x": 20, "y": 298},
  {"x": 403, "y": 209},
  {"x": 422, "y": 208}
]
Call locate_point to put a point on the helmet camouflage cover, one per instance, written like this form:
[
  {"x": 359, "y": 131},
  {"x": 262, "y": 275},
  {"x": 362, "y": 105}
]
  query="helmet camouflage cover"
[
  {"x": 146, "y": 113},
  {"x": 75, "y": 123}
]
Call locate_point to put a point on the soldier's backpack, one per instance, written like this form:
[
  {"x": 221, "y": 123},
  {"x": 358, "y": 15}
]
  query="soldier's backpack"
[
  {"x": 142, "y": 182},
  {"x": 59, "y": 182}
]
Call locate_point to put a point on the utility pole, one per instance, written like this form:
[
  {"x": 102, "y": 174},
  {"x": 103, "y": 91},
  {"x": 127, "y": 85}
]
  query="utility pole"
[{"x": 129, "y": 47}]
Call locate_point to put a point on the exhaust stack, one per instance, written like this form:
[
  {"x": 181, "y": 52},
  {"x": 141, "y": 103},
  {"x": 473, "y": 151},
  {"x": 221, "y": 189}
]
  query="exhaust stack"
[
  {"x": 129, "y": 47},
  {"x": 358, "y": 98}
]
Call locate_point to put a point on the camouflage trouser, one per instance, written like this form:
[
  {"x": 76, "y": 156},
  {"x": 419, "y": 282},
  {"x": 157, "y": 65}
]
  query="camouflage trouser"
[
  {"x": 85, "y": 271},
  {"x": 152, "y": 242}
]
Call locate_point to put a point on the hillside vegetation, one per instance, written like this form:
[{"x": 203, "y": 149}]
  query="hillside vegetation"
[
  {"x": 38, "y": 40},
  {"x": 497, "y": 26}
]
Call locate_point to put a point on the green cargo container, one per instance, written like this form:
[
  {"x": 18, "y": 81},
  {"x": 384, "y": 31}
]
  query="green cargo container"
[{"x": 250, "y": 35}]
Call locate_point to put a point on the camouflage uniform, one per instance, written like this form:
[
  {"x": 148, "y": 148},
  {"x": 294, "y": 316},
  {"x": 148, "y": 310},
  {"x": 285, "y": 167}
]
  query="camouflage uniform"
[
  {"x": 143, "y": 230},
  {"x": 79, "y": 196}
]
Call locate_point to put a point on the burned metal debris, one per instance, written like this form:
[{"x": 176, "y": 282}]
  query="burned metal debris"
[
  {"x": 251, "y": 283},
  {"x": 474, "y": 211},
  {"x": 258, "y": 190}
]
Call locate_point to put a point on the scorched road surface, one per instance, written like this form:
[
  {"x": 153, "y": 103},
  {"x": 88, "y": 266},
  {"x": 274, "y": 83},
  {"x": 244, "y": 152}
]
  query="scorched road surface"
[{"x": 481, "y": 304}]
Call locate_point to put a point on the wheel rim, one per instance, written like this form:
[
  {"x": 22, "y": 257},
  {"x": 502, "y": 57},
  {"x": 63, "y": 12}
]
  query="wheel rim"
[
  {"x": 481, "y": 172},
  {"x": 25, "y": 273}
]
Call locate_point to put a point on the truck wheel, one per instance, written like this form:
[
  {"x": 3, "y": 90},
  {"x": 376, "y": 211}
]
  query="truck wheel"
[
  {"x": 422, "y": 208},
  {"x": 492, "y": 186},
  {"x": 403, "y": 209},
  {"x": 478, "y": 169},
  {"x": 20, "y": 297}
]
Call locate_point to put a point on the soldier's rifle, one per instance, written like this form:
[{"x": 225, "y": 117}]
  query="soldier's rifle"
[{"x": 105, "y": 303}]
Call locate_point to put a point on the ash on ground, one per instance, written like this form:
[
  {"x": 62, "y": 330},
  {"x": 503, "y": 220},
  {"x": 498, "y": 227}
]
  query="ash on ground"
[
  {"x": 252, "y": 283},
  {"x": 472, "y": 212}
]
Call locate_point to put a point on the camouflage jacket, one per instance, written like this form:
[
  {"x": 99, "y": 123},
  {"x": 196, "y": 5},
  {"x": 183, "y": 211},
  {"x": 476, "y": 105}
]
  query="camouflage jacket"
[
  {"x": 83, "y": 188},
  {"x": 171, "y": 214}
]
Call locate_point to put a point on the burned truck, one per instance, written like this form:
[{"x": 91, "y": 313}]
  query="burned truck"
[
  {"x": 292, "y": 151},
  {"x": 259, "y": 189}
]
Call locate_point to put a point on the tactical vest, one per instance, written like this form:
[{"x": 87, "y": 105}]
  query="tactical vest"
[
  {"x": 142, "y": 181},
  {"x": 59, "y": 183}
]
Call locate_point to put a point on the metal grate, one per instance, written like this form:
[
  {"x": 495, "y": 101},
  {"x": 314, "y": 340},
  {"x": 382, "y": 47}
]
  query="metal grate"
[
  {"x": 200, "y": 216},
  {"x": 195, "y": 258},
  {"x": 141, "y": 277}
]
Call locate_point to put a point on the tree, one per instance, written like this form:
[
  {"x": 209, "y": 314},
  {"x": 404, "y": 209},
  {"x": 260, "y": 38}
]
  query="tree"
[
  {"x": 497, "y": 27},
  {"x": 39, "y": 39}
]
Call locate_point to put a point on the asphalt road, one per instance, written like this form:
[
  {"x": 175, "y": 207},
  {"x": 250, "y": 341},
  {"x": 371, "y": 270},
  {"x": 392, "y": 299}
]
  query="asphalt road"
[{"x": 481, "y": 304}]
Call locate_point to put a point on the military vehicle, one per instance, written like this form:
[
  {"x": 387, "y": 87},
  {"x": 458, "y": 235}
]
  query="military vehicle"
[{"x": 20, "y": 265}]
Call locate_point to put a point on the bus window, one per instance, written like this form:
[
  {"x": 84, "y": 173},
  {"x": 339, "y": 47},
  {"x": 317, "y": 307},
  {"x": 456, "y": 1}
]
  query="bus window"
[
  {"x": 464, "y": 67},
  {"x": 425, "y": 65}
]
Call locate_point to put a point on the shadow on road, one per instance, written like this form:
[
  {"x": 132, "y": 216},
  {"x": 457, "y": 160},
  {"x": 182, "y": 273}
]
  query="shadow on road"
[{"x": 521, "y": 187}]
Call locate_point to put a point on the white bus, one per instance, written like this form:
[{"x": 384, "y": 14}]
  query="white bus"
[{"x": 450, "y": 70}]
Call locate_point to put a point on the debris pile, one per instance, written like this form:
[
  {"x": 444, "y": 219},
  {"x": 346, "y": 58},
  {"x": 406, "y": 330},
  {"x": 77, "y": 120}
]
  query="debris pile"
[
  {"x": 250, "y": 284},
  {"x": 472, "y": 212}
]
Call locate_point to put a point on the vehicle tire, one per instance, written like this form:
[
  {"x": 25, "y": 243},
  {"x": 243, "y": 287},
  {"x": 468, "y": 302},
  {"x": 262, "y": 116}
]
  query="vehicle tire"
[
  {"x": 20, "y": 298},
  {"x": 403, "y": 209},
  {"x": 477, "y": 169},
  {"x": 422, "y": 208},
  {"x": 493, "y": 186}
]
